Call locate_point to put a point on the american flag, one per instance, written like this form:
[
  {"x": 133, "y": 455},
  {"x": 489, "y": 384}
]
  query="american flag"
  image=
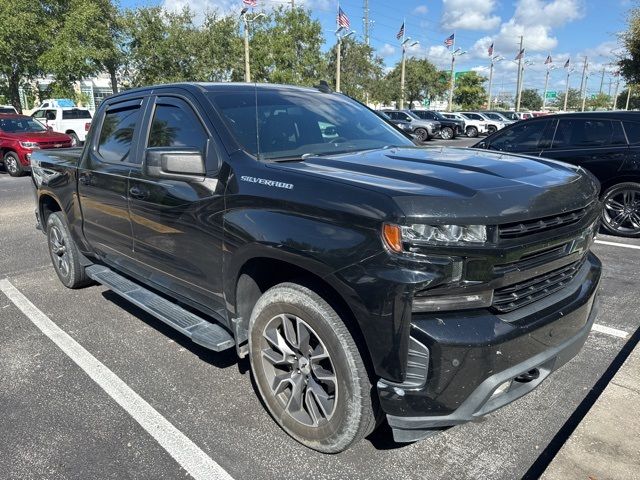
[
  {"x": 566, "y": 64},
  {"x": 449, "y": 40},
  {"x": 520, "y": 55},
  {"x": 548, "y": 60},
  {"x": 343, "y": 20},
  {"x": 400, "y": 33},
  {"x": 490, "y": 51},
  {"x": 250, "y": 3}
]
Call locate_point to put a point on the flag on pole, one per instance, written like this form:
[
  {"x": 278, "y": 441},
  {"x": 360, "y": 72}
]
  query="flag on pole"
[
  {"x": 449, "y": 40},
  {"x": 250, "y": 3},
  {"x": 343, "y": 20},
  {"x": 548, "y": 60},
  {"x": 490, "y": 51},
  {"x": 520, "y": 55},
  {"x": 400, "y": 33},
  {"x": 566, "y": 65}
]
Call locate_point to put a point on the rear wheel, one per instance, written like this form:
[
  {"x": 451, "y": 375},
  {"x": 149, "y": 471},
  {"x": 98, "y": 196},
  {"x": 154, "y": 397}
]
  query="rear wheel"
[
  {"x": 64, "y": 253},
  {"x": 447, "y": 133},
  {"x": 472, "y": 132},
  {"x": 12, "y": 164},
  {"x": 75, "y": 141},
  {"x": 308, "y": 369},
  {"x": 491, "y": 129},
  {"x": 422, "y": 134},
  {"x": 621, "y": 213}
]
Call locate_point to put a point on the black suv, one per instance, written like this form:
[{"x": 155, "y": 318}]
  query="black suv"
[
  {"x": 605, "y": 143},
  {"x": 449, "y": 129}
]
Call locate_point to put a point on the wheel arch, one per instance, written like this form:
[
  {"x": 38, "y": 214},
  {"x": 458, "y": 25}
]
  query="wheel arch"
[
  {"x": 47, "y": 205},
  {"x": 628, "y": 178}
]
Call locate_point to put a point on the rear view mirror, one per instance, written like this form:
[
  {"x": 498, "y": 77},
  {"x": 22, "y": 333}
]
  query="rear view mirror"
[{"x": 175, "y": 164}]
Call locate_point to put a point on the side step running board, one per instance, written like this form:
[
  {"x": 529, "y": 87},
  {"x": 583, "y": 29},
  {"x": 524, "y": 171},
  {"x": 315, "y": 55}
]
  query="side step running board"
[{"x": 210, "y": 335}]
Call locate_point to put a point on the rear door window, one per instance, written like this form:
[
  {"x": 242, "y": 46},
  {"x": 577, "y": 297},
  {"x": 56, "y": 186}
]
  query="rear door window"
[
  {"x": 116, "y": 134},
  {"x": 522, "y": 137},
  {"x": 588, "y": 133}
]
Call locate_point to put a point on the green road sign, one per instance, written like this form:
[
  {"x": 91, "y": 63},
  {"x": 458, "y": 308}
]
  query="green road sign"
[
  {"x": 459, "y": 74},
  {"x": 552, "y": 94},
  {"x": 426, "y": 102}
]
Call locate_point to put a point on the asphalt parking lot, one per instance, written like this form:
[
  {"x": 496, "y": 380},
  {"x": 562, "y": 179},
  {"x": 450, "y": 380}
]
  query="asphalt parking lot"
[{"x": 58, "y": 423}]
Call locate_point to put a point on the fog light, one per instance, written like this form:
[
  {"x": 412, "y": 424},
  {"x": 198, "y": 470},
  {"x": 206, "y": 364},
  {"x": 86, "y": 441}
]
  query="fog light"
[
  {"x": 452, "y": 302},
  {"x": 502, "y": 388}
]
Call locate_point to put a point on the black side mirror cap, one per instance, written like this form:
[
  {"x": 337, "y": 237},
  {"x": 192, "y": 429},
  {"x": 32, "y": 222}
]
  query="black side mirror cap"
[{"x": 175, "y": 164}]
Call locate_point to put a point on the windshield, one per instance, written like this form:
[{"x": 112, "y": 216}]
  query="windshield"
[
  {"x": 288, "y": 123},
  {"x": 21, "y": 125}
]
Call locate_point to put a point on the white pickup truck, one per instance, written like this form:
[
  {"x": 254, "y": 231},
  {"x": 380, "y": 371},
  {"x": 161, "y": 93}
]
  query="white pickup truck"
[{"x": 73, "y": 121}]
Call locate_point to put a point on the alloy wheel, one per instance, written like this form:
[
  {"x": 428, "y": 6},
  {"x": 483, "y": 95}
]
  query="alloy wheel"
[
  {"x": 299, "y": 370},
  {"x": 622, "y": 211},
  {"x": 59, "y": 252},
  {"x": 446, "y": 134},
  {"x": 10, "y": 164}
]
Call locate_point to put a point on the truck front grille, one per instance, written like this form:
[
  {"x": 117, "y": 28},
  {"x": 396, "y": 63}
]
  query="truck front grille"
[
  {"x": 518, "y": 295},
  {"x": 519, "y": 229}
]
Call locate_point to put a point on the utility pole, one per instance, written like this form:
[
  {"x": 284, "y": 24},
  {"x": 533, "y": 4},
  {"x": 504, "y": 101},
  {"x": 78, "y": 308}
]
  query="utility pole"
[
  {"x": 615, "y": 95},
  {"x": 546, "y": 84},
  {"x": 247, "y": 68},
  {"x": 453, "y": 77},
  {"x": 628, "y": 97},
  {"x": 566, "y": 90},
  {"x": 293, "y": 4},
  {"x": 338, "y": 55},
  {"x": 490, "y": 82},
  {"x": 519, "y": 82},
  {"x": 366, "y": 22},
  {"x": 602, "y": 81},
  {"x": 583, "y": 89}
]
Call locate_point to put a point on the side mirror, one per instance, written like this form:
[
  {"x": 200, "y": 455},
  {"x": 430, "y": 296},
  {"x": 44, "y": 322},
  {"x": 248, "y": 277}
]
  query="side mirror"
[
  {"x": 175, "y": 164},
  {"x": 481, "y": 144},
  {"x": 49, "y": 128},
  {"x": 331, "y": 131}
]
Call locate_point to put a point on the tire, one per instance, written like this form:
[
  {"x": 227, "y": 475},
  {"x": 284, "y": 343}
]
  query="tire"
[
  {"x": 472, "y": 132},
  {"x": 75, "y": 141},
  {"x": 12, "y": 164},
  {"x": 447, "y": 133},
  {"x": 491, "y": 129},
  {"x": 422, "y": 134},
  {"x": 621, "y": 212},
  {"x": 335, "y": 408},
  {"x": 64, "y": 253}
]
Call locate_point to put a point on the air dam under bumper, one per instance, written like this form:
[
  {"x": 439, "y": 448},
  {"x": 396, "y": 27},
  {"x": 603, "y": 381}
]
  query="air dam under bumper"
[{"x": 523, "y": 351}]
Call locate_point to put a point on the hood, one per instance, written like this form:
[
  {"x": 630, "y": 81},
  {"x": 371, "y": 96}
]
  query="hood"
[
  {"x": 40, "y": 137},
  {"x": 469, "y": 185}
]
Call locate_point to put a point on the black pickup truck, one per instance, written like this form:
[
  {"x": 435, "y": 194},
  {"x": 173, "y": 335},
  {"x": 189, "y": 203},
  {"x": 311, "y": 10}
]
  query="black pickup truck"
[{"x": 367, "y": 279}]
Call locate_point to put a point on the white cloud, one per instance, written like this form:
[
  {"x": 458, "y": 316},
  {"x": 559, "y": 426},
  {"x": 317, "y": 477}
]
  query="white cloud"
[
  {"x": 420, "y": 10},
  {"x": 550, "y": 14},
  {"x": 386, "y": 50},
  {"x": 463, "y": 14}
]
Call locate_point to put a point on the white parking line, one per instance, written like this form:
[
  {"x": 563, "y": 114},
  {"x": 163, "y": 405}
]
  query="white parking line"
[
  {"x": 616, "y": 244},
  {"x": 610, "y": 331},
  {"x": 197, "y": 463}
]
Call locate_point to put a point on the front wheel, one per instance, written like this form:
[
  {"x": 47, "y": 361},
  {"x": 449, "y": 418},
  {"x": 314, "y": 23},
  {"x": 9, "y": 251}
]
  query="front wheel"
[
  {"x": 491, "y": 129},
  {"x": 447, "y": 133},
  {"x": 308, "y": 369},
  {"x": 472, "y": 132},
  {"x": 621, "y": 213},
  {"x": 12, "y": 164},
  {"x": 422, "y": 134}
]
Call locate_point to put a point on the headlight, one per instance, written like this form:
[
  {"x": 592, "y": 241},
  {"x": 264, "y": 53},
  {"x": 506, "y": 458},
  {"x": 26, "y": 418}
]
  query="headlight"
[
  {"x": 436, "y": 234},
  {"x": 31, "y": 145}
]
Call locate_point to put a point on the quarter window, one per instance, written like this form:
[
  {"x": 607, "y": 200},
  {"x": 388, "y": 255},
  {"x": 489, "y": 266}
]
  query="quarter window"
[
  {"x": 116, "y": 134},
  {"x": 633, "y": 132},
  {"x": 177, "y": 126}
]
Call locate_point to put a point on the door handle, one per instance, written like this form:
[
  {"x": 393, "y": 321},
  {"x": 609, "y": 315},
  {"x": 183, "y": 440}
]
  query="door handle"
[{"x": 139, "y": 193}]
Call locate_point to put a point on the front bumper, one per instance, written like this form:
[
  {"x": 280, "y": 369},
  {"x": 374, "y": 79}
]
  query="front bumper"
[{"x": 472, "y": 354}]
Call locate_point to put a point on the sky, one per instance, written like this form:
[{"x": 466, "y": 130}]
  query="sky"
[{"x": 564, "y": 29}]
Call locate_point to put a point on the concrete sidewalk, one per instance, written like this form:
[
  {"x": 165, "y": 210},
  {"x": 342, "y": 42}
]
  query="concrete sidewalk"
[{"x": 606, "y": 444}]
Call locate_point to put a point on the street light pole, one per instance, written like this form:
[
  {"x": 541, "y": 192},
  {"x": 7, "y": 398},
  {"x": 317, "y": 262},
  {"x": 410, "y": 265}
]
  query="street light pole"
[
  {"x": 546, "y": 84},
  {"x": 615, "y": 95},
  {"x": 247, "y": 68},
  {"x": 628, "y": 97},
  {"x": 338, "y": 55},
  {"x": 582, "y": 85},
  {"x": 566, "y": 90}
]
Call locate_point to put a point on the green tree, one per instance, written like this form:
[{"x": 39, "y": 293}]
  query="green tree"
[
  {"x": 600, "y": 101},
  {"x": 360, "y": 68},
  {"x": 469, "y": 92},
  {"x": 422, "y": 81},
  {"x": 24, "y": 35},
  {"x": 286, "y": 48},
  {"x": 530, "y": 99},
  {"x": 630, "y": 62},
  {"x": 574, "y": 100}
]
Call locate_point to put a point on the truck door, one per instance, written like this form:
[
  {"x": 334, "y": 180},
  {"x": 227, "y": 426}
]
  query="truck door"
[
  {"x": 177, "y": 225},
  {"x": 103, "y": 180}
]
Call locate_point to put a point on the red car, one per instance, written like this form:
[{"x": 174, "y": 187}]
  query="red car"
[{"x": 19, "y": 136}]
